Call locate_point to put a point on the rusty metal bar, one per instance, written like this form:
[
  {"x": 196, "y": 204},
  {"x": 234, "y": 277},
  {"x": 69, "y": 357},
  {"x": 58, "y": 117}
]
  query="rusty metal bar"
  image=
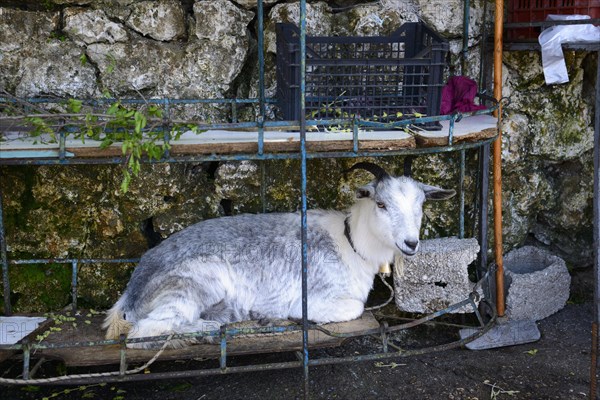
[{"x": 497, "y": 160}]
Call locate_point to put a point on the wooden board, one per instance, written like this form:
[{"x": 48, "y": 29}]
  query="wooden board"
[
  {"x": 240, "y": 345},
  {"x": 469, "y": 129},
  {"x": 18, "y": 145}
]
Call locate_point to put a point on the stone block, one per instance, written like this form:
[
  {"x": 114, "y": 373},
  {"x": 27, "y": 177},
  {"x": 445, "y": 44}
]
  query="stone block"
[
  {"x": 537, "y": 283},
  {"x": 162, "y": 20},
  {"x": 436, "y": 277}
]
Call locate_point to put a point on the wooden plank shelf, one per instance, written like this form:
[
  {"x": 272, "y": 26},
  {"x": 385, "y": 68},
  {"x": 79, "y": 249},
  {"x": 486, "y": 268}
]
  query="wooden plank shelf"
[
  {"x": 470, "y": 129},
  {"x": 17, "y": 145},
  {"x": 87, "y": 328}
]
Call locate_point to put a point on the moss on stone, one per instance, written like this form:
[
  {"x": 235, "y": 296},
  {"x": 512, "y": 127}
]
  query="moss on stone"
[{"x": 40, "y": 288}]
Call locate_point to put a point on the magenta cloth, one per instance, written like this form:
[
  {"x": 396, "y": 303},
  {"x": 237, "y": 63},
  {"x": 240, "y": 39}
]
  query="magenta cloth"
[{"x": 459, "y": 95}]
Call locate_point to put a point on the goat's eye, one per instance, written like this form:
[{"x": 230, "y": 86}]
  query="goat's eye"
[{"x": 380, "y": 204}]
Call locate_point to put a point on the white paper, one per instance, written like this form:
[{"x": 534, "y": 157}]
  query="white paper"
[
  {"x": 551, "y": 40},
  {"x": 13, "y": 329}
]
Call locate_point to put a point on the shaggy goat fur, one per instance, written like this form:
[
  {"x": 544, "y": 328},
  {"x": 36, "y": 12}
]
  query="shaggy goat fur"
[{"x": 248, "y": 266}]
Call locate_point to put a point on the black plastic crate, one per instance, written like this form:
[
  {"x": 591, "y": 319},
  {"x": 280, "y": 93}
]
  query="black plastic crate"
[{"x": 377, "y": 78}]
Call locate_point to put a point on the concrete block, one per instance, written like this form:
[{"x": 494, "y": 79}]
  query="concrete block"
[
  {"x": 436, "y": 277},
  {"x": 537, "y": 283}
]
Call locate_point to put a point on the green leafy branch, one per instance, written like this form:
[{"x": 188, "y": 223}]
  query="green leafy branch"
[{"x": 139, "y": 130}]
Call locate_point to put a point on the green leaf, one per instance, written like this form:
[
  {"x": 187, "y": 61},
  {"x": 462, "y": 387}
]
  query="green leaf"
[
  {"x": 126, "y": 181},
  {"x": 140, "y": 121},
  {"x": 155, "y": 111},
  {"x": 74, "y": 106},
  {"x": 112, "y": 110}
]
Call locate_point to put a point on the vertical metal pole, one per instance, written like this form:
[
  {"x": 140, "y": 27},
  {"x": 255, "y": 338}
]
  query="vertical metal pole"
[
  {"x": 223, "y": 355},
  {"x": 483, "y": 55},
  {"x": 497, "y": 160},
  {"x": 261, "y": 77},
  {"x": 166, "y": 128},
  {"x": 451, "y": 130},
  {"x": 261, "y": 101},
  {"x": 303, "y": 214},
  {"x": 62, "y": 142},
  {"x": 596, "y": 323},
  {"x": 122, "y": 354},
  {"x": 74, "y": 285},
  {"x": 234, "y": 117},
  {"x": 465, "y": 49},
  {"x": 263, "y": 190},
  {"x": 484, "y": 187},
  {"x": 4, "y": 256},
  {"x": 354, "y": 135},
  {"x": 26, "y": 357},
  {"x": 461, "y": 194}
]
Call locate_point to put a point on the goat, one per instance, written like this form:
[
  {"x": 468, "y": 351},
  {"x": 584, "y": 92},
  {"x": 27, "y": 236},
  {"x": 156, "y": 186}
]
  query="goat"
[{"x": 245, "y": 267}]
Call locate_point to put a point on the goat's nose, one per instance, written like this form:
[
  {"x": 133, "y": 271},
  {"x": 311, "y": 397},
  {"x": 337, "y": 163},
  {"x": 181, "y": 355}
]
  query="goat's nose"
[{"x": 411, "y": 244}]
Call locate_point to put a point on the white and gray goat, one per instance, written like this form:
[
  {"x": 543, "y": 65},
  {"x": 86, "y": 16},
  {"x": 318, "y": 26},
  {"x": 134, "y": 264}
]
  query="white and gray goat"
[{"x": 247, "y": 267}]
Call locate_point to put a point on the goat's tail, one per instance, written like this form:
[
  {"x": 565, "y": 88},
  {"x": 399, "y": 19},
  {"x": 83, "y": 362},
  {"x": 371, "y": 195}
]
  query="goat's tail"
[{"x": 115, "y": 323}]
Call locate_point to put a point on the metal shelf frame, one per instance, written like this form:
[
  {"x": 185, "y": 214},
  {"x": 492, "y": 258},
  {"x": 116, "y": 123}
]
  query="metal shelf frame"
[{"x": 304, "y": 361}]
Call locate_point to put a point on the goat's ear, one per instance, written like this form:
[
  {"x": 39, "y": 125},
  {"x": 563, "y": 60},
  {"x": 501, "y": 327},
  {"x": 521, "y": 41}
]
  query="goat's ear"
[
  {"x": 365, "y": 191},
  {"x": 436, "y": 193}
]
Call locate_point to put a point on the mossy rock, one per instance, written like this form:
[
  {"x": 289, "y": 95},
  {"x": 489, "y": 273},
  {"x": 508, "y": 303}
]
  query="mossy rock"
[{"x": 40, "y": 287}]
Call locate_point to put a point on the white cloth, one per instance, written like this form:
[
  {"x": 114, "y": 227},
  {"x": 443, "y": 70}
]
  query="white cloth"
[{"x": 551, "y": 40}]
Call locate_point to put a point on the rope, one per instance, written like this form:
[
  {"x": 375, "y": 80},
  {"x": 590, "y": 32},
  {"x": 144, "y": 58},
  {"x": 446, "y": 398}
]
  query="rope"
[
  {"x": 94, "y": 375},
  {"x": 382, "y": 277}
]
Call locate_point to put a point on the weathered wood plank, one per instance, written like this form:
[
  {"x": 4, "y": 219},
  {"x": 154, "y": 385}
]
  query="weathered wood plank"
[
  {"x": 240, "y": 345},
  {"x": 221, "y": 142},
  {"x": 470, "y": 129}
]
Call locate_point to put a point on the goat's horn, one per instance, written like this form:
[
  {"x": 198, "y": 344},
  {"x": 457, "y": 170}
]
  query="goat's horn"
[{"x": 376, "y": 170}]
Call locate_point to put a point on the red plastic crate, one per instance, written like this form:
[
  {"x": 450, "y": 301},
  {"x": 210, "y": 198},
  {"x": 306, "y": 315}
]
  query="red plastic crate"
[{"x": 538, "y": 10}]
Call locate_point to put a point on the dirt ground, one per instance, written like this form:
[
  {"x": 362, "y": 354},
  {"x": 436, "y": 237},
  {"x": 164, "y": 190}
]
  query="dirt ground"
[{"x": 555, "y": 367}]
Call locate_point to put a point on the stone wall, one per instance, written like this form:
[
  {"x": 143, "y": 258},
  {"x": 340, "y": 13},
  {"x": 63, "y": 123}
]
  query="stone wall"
[{"x": 207, "y": 49}]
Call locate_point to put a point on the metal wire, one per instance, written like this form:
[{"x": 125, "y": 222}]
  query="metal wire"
[
  {"x": 63, "y": 378},
  {"x": 382, "y": 277}
]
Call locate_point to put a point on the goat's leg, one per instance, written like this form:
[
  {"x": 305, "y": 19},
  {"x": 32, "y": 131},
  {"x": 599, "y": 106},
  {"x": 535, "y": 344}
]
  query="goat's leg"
[
  {"x": 334, "y": 310},
  {"x": 167, "y": 319},
  {"x": 179, "y": 310},
  {"x": 226, "y": 312}
]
